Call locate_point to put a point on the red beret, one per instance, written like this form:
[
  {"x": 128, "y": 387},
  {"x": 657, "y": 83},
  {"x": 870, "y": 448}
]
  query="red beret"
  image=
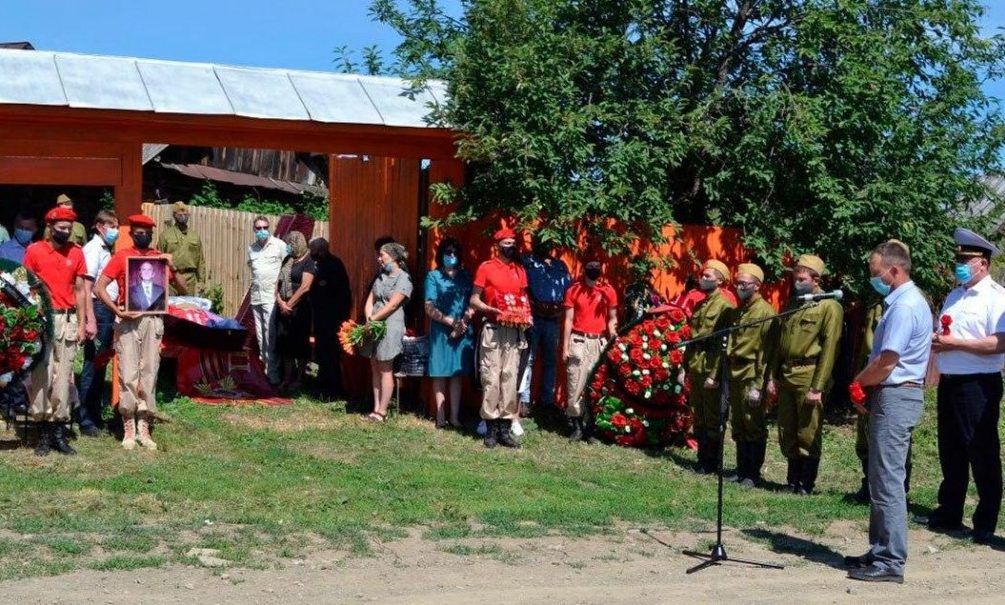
[
  {"x": 504, "y": 233},
  {"x": 60, "y": 213},
  {"x": 141, "y": 220}
]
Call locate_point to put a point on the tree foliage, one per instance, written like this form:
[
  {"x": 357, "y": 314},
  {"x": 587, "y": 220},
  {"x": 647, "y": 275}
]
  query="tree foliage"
[{"x": 820, "y": 126}]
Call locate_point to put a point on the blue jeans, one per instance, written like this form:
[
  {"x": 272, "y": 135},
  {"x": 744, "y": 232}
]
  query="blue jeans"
[
  {"x": 893, "y": 414},
  {"x": 543, "y": 339},
  {"x": 92, "y": 378}
]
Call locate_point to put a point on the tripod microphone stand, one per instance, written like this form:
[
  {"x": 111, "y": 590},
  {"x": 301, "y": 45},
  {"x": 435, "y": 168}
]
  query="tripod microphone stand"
[{"x": 718, "y": 553}]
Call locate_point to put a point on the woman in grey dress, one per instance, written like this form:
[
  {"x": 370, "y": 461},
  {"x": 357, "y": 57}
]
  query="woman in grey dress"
[{"x": 386, "y": 301}]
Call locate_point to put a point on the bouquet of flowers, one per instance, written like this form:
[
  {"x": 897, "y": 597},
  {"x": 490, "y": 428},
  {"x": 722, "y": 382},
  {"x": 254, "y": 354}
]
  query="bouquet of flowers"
[
  {"x": 25, "y": 321},
  {"x": 353, "y": 335},
  {"x": 514, "y": 310},
  {"x": 946, "y": 321},
  {"x": 638, "y": 393}
]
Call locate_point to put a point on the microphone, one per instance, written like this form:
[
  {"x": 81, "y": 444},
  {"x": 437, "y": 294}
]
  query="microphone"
[{"x": 836, "y": 295}]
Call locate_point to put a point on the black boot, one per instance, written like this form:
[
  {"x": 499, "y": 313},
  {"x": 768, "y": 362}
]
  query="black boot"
[
  {"x": 702, "y": 440},
  {"x": 505, "y": 437},
  {"x": 808, "y": 475},
  {"x": 862, "y": 495},
  {"x": 741, "y": 464},
  {"x": 491, "y": 433},
  {"x": 44, "y": 445},
  {"x": 755, "y": 461},
  {"x": 588, "y": 429},
  {"x": 792, "y": 475},
  {"x": 60, "y": 440},
  {"x": 576, "y": 424}
]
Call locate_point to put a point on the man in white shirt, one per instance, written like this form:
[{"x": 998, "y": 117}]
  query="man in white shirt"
[
  {"x": 970, "y": 345},
  {"x": 265, "y": 258},
  {"x": 101, "y": 321}
]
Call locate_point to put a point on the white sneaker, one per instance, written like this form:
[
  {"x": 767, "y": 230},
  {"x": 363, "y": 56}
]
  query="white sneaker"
[
  {"x": 482, "y": 428},
  {"x": 516, "y": 428}
]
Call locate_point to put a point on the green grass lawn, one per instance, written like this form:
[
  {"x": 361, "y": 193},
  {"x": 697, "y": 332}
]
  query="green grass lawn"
[{"x": 261, "y": 484}]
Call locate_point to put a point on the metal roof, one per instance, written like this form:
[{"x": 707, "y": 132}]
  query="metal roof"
[{"x": 133, "y": 84}]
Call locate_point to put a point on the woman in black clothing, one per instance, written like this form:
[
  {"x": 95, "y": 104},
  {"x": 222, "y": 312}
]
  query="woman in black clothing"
[{"x": 294, "y": 318}]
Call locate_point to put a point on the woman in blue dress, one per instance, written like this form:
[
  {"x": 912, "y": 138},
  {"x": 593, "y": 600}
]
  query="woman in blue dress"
[{"x": 451, "y": 337}]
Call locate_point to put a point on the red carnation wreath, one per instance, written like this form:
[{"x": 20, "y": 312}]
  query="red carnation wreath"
[{"x": 637, "y": 393}]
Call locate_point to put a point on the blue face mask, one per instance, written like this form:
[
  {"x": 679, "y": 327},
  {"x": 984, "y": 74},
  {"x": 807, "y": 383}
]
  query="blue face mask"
[
  {"x": 882, "y": 288},
  {"x": 964, "y": 273},
  {"x": 744, "y": 293},
  {"x": 262, "y": 234},
  {"x": 803, "y": 287},
  {"x": 289, "y": 249},
  {"x": 23, "y": 236},
  {"x": 111, "y": 234},
  {"x": 449, "y": 261}
]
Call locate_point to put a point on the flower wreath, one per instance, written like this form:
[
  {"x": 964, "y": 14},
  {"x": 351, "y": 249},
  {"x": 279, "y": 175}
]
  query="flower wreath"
[
  {"x": 638, "y": 391},
  {"x": 25, "y": 321}
]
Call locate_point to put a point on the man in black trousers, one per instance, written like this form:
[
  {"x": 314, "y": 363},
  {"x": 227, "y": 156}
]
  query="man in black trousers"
[{"x": 970, "y": 358}]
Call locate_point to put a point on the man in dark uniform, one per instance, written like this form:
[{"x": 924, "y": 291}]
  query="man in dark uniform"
[
  {"x": 970, "y": 361},
  {"x": 331, "y": 300}
]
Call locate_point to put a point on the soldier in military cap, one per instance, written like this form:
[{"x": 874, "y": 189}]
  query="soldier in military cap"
[
  {"x": 800, "y": 373},
  {"x": 703, "y": 361},
  {"x": 78, "y": 234},
  {"x": 185, "y": 246},
  {"x": 970, "y": 362},
  {"x": 749, "y": 352}
]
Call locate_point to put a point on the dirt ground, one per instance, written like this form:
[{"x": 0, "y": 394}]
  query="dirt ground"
[{"x": 631, "y": 567}]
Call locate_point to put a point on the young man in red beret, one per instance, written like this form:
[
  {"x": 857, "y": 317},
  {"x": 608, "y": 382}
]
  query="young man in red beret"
[
  {"x": 137, "y": 338},
  {"x": 59, "y": 263},
  {"x": 591, "y": 320},
  {"x": 500, "y": 287}
]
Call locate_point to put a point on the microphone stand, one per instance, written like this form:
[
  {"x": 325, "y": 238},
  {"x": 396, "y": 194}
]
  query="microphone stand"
[{"x": 718, "y": 553}]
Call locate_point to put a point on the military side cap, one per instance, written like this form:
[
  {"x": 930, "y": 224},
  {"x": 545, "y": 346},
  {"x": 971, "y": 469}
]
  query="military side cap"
[
  {"x": 812, "y": 262},
  {"x": 60, "y": 213},
  {"x": 969, "y": 243},
  {"x": 141, "y": 220},
  {"x": 179, "y": 207},
  {"x": 719, "y": 266},
  {"x": 752, "y": 270},
  {"x": 63, "y": 199},
  {"x": 504, "y": 233}
]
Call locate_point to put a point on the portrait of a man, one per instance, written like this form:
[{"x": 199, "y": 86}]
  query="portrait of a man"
[{"x": 146, "y": 277}]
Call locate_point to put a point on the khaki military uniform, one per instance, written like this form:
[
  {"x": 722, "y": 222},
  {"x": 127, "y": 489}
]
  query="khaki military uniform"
[
  {"x": 749, "y": 352},
  {"x": 52, "y": 390},
  {"x": 703, "y": 360},
  {"x": 185, "y": 247},
  {"x": 138, "y": 346},
  {"x": 807, "y": 351}
]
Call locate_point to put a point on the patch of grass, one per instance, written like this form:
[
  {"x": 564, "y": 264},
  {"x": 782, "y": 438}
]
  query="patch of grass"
[
  {"x": 128, "y": 562},
  {"x": 259, "y": 483}
]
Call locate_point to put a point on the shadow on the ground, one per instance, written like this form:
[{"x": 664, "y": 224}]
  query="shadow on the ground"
[{"x": 800, "y": 547}]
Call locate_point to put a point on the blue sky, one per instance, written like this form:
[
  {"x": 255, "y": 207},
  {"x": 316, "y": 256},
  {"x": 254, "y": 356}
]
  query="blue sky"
[{"x": 298, "y": 34}]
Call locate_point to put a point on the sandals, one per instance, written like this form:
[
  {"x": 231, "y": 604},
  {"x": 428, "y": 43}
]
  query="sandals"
[{"x": 376, "y": 417}]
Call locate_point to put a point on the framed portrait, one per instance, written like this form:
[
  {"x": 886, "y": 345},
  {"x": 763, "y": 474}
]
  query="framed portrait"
[{"x": 146, "y": 284}]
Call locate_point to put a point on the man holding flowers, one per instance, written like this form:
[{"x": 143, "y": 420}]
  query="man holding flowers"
[{"x": 500, "y": 295}]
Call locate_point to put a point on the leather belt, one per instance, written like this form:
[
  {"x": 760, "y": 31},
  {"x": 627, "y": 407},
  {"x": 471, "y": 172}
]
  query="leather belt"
[
  {"x": 909, "y": 385},
  {"x": 547, "y": 309},
  {"x": 800, "y": 362},
  {"x": 71, "y": 312},
  {"x": 587, "y": 334}
]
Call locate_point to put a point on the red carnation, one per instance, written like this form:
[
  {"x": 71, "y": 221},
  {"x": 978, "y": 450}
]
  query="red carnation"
[
  {"x": 625, "y": 370},
  {"x": 635, "y": 339},
  {"x": 619, "y": 420},
  {"x": 946, "y": 321},
  {"x": 673, "y": 337},
  {"x": 686, "y": 331},
  {"x": 646, "y": 381},
  {"x": 661, "y": 374},
  {"x": 676, "y": 357},
  {"x": 655, "y": 362},
  {"x": 636, "y": 355},
  {"x": 663, "y": 322},
  {"x": 614, "y": 354},
  {"x": 676, "y": 315}
]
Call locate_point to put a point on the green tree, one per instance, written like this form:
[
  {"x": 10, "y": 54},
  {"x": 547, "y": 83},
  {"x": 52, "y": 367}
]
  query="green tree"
[{"x": 812, "y": 125}]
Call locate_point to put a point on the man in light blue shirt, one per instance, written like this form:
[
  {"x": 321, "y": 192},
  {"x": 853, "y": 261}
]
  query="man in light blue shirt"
[
  {"x": 895, "y": 374},
  {"x": 25, "y": 228}
]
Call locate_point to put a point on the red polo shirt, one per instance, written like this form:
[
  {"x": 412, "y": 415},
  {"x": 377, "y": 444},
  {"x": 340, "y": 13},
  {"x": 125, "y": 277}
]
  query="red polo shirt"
[
  {"x": 116, "y": 268},
  {"x": 58, "y": 268},
  {"x": 590, "y": 306},
  {"x": 497, "y": 278}
]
